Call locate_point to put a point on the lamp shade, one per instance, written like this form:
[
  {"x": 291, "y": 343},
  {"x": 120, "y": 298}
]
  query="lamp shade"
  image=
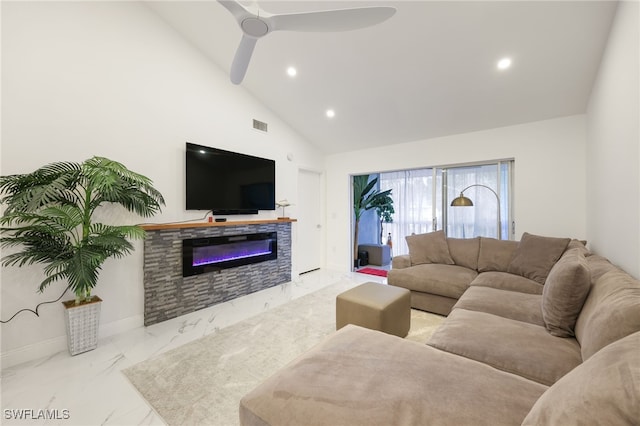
[{"x": 461, "y": 201}]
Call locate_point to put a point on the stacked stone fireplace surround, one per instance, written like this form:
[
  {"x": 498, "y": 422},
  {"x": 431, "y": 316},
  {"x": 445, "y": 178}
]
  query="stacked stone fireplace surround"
[{"x": 167, "y": 294}]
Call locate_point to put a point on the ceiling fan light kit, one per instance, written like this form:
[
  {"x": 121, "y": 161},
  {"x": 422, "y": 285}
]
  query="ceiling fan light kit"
[{"x": 259, "y": 24}]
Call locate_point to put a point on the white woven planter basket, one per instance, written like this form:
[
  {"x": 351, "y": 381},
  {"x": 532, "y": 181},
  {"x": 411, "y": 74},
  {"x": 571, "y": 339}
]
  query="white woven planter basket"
[{"x": 82, "y": 325}]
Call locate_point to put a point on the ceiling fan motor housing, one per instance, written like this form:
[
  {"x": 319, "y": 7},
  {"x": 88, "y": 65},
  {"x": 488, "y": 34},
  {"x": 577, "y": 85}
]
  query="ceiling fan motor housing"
[{"x": 254, "y": 27}]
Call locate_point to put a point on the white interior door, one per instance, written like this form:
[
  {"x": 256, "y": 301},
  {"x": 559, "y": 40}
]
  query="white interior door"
[{"x": 309, "y": 220}]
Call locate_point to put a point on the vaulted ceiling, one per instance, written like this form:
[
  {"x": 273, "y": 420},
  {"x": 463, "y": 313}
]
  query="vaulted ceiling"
[{"x": 428, "y": 71}]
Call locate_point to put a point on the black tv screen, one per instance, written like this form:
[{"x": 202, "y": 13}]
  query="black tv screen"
[{"x": 228, "y": 182}]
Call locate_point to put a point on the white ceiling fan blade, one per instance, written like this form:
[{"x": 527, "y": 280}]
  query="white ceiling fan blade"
[
  {"x": 242, "y": 58},
  {"x": 234, "y": 7},
  {"x": 332, "y": 20}
]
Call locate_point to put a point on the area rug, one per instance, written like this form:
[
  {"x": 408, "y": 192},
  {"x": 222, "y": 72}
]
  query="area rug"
[
  {"x": 372, "y": 271},
  {"x": 202, "y": 382}
]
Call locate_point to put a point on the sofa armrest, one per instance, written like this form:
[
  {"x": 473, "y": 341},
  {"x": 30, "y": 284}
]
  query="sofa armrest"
[{"x": 401, "y": 262}]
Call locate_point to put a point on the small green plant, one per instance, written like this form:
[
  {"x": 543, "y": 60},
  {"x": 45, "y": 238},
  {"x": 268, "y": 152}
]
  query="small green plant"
[{"x": 49, "y": 217}]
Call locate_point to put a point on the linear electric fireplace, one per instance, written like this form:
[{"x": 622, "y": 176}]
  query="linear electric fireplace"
[{"x": 202, "y": 255}]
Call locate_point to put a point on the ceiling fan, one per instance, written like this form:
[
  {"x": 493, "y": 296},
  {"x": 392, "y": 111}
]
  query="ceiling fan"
[{"x": 258, "y": 24}]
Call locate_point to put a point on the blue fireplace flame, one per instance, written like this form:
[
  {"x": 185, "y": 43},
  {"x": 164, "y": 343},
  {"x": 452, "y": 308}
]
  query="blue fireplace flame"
[{"x": 210, "y": 255}]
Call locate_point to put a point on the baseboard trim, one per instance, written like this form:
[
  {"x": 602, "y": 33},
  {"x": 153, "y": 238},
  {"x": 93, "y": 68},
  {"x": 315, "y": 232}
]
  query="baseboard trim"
[
  {"x": 339, "y": 267},
  {"x": 33, "y": 351},
  {"x": 52, "y": 346}
]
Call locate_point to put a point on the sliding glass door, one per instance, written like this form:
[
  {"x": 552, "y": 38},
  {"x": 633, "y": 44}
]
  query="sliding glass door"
[{"x": 422, "y": 201}]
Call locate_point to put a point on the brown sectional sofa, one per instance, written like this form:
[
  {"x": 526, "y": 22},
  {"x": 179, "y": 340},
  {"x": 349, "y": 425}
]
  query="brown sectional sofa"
[{"x": 539, "y": 332}]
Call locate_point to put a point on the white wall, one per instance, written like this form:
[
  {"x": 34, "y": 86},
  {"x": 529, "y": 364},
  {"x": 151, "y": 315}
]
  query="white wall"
[
  {"x": 549, "y": 192},
  {"x": 111, "y": 79},
  {"x": 613, "y": 147}
]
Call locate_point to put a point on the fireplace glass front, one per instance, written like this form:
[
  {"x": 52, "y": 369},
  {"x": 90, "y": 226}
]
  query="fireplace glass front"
[{"x": 202, "y": 255}]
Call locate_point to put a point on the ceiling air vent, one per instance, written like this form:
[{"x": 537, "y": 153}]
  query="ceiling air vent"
[{"x": 259, "y": 125}]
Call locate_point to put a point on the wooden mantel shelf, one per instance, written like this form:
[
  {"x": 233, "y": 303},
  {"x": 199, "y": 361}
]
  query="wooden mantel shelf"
[{"x": 183, "y": 225}]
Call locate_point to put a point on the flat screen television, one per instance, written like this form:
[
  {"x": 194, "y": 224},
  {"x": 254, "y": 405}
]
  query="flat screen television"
[{"x": 228, "y": 182}]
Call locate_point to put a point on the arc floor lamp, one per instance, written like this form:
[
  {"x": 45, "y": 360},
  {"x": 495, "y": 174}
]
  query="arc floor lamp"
[{"x": 463, "y": 201}]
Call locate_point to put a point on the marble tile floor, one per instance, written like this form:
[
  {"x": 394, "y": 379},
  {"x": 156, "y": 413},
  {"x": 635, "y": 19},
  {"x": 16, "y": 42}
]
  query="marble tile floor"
[{"x": 89, "y": 389}]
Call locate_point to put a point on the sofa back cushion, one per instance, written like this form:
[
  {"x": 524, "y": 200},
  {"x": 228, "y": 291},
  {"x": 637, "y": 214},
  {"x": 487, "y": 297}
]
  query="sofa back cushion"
[
  {"x": 602, "y": 390},
  {"x": 610, "y": 312},
  {"x": 564, "y": 292},
  {"x": 536, "y": 255},
  {"x": 495, "y": 255},
  {"x": 464, "y": 251},
  {"x": 579, "y": 244},
  {"x": 599, "y": 266},
  {"x": 431, "y": 247}
]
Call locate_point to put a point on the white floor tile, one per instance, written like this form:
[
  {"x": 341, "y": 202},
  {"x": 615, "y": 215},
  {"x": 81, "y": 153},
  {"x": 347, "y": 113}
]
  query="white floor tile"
[{"x": 90, "y": 389}]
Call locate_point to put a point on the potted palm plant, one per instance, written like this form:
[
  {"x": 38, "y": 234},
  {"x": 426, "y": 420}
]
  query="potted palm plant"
[
  {"x": 49, "y": 218},
  {"x": 365, "y": 197}
]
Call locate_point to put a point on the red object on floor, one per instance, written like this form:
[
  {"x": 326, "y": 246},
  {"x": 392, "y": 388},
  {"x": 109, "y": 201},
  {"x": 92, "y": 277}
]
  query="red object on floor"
[{"x": 371, "y": 271}]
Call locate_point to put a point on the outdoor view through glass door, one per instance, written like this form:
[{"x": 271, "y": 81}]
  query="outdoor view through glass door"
[{"x": 422, "y": 201}]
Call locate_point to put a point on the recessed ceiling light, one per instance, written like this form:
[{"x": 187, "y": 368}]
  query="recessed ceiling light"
[
  {"x": 504, "y": 63},
  {"x": 291, "y": 72},
  {"x": 331, "y": 113}
]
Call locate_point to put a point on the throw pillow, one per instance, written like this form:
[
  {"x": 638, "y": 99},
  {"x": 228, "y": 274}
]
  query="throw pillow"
[
  {"x": 603, "y": 390},
  {"x": 536, "y": 255},
  {"x": 429, "y": 248},
  {"x": 495, "y": 254},
  {"x": 564, "y": 293},
  {"x": 464, "y": 251}
]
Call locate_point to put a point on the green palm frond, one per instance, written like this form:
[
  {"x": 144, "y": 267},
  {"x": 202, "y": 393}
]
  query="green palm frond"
[
  {"x": 83, "y": 268},
  {"x": 113, "y": 239},
  {"x": 51, "y": 278},
  {"x": 113, "y": 182},
  {"x": 49, "y": 216},
  {"x": 40, "y": 244},
  {"x": 361, "y": 187},
  {"x": 124, "y": 231},
  {"x": 52, "y": 184},
  {"x": 29, "y": 256},
  {"x": 364, "y": 197}
]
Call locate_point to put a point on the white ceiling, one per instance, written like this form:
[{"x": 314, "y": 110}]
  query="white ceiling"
[{"x": 429, "y": 71}]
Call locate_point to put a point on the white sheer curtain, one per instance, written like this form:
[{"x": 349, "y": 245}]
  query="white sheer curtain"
[
  {"x": 412, "y": 193},
  {"x": 415, "y": 208}
]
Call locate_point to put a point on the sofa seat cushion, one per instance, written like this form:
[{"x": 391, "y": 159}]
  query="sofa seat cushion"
[
  {"x": 363, "y": 377},
  {"x": 503, "y": 303},
  {"x": 507, "y": 281},
  {"x": 604, "y": 390},
  {"x": 518, "y": 347},
  {"x": 443, "y": 280}
]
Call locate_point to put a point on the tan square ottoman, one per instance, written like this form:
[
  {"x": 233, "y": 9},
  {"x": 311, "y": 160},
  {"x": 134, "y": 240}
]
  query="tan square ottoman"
[{"x": 375, "y": 306}]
